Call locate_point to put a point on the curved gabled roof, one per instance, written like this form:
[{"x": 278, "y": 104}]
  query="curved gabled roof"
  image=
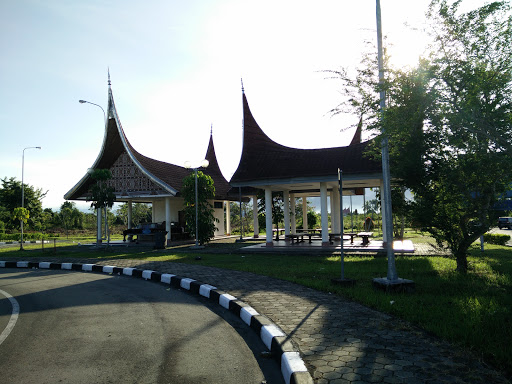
[
  {"x": 222, "y": 186},
  {"x": 159, "y": 178},
  {"x": 265, "y": 160}
]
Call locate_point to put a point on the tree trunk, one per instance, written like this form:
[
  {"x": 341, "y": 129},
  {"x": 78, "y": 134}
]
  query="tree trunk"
[{"x": 462, "y": 260}]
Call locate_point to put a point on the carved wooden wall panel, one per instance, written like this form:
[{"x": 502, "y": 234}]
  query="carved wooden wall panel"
[{"x": 127, "y": 177}]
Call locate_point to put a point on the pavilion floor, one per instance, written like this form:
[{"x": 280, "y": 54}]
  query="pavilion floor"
[
  {"x": 316, "y": 246},
  {"x": 282, "y": 246}
]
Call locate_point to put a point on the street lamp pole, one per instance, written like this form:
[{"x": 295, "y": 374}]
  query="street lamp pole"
[
  {"x": 23, "y": 189},
  {"x": 98, "y": 212},
  {"x": 388, "y": 218},
  {"x": 204, "y": 164},
  {"x": 88, "y": 102},
  {"x": 391, "y": 282}
]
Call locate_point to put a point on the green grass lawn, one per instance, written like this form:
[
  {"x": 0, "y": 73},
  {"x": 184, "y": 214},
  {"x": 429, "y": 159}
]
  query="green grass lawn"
[{"x": 473, "y": 310}]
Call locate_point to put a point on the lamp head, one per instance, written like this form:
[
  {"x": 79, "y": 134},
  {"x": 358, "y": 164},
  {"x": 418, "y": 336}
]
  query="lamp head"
[
  {"x": 205, "y": 163},
  {"x": 187, "y": 165}
]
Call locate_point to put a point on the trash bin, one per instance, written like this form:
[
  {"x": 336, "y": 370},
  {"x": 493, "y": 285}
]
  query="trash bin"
[{"x": 159, "y": 240}]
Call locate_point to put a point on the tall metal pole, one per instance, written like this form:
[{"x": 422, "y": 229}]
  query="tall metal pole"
[
  {"x": 340, "y": 182},
  {"x": 98, "y": 211},
  {"x": 88, "y": 102},
  {"x": 391, "y": 274},
  {"x": 23, "y": 189},
  {"x": 195, "y": 170},
  {"x": 241, "y": 215}
]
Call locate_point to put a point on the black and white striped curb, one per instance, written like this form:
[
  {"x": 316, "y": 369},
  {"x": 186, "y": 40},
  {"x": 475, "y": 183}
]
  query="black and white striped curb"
[{"x": 293, "y": 369}]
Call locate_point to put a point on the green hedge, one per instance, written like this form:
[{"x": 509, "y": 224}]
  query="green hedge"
[
  {"x": 26, "y": 236},
  {"x": 496, "y": 238}
]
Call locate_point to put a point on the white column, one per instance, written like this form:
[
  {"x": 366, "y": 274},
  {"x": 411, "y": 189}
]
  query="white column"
[
  {"x": 168, "y": 219},
  {"x": 292, "y": 214},
  {"x": 129, "y": 213},
  {"x": 383, "y": 212},
  {"x": 335, "y": 214},
  {"x": 255, "y": 223},
  {"x": 153, "y": 212},
  {"x": 99, "y": 223},
  {"x": 268, "y": 217},
  {"x": 304, "y": 212},
  {"x": 323, "y": 210},
  {"x": 228, "y": 218},
  {"x": 286, "y": 208}
]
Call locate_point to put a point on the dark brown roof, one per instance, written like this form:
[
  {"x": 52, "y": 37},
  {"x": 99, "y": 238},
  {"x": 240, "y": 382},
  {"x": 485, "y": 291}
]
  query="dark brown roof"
[
  {"x": 166, "y": 178},
  {"x": 173, "y": 175},
  {"x": 222, "y": 186},
  {"x": 357, "y": 135},
  {"x": 264, "y": 159}
]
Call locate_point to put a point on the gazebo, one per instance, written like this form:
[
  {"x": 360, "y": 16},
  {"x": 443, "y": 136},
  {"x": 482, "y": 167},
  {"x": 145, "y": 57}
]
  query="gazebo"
[
  {"x": 269, "y": 166},
  {"x": 137, "y": 178}
]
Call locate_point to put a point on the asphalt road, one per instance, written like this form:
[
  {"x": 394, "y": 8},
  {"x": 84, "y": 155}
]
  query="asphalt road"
[{"x": 92, "y": 328}]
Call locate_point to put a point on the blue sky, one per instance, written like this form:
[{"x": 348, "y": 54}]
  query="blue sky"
[{"x": 175, "y": 68}]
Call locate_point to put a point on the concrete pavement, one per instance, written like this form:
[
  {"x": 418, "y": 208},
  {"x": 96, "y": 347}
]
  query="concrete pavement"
[{"x": 340, "y": 341}]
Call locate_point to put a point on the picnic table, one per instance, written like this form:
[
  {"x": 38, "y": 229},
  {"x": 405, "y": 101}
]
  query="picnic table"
[
  {"x": 351, "y": 234},
  {"x": 278, "y": 231},
  {"x": 296, "y": 237},
  {"x": 309, "y": 230}
]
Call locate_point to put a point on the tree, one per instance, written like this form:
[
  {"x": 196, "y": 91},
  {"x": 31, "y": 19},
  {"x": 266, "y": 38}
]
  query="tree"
[
  {"x": 247, "y": 217},
  {"x": 70, "y": 216},
  {"x": 277, "y": 209},
  {"x": 205, "y": 213},
  {"x": 449, "y": 123},
  {"x": 312, "y": 217},
  {"x": 141, "y": 213},
  {"x": 469, "y": 130},
  {"x": 21, "y": 214},
  {"x": 102, "y": 195},
  {"x": 10, "y": 198}
]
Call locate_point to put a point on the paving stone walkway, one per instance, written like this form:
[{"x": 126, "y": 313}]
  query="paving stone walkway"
[{"x": 340, "y": 341}]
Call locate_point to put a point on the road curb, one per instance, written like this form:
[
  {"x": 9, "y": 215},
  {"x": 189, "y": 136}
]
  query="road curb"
[{"x": 279, "y": 344}]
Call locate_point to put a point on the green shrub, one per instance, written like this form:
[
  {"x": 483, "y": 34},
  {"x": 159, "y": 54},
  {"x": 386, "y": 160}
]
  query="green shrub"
[
  {"x": 26, "y": 236},
  {"x": 496, "y": 238}
]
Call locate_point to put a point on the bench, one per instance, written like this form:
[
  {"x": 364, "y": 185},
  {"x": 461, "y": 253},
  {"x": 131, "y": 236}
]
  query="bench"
[
  {"x": 299, "y": 237},
  {"x": 365, "y": 236}
]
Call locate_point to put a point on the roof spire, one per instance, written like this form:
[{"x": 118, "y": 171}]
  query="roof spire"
[
  {"x": 357, "y": 135},
  {"x": 211, "y": 129},
  {"x": 242, "y": 81},
  {"x": 108, "y": 71}
]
